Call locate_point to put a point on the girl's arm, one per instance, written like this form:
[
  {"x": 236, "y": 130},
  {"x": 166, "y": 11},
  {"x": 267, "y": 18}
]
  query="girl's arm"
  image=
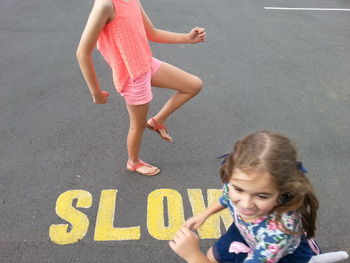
[
  {"x": 197, "y": 220},
  {"x": 102, "y": 12},
  {"x": 196, "y": 35},
  {"x": 186, "y": 243}
]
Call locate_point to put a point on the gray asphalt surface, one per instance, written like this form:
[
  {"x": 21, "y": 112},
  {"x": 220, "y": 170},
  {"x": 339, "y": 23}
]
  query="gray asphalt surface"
[{"x": 286, "y": 71}]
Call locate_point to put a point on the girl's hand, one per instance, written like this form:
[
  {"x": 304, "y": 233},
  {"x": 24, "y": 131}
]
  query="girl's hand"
[
  {"x": 101, "y": 98},
  {"x": 185, "y": 244},
  {"x": 197, "y": 35},
  {"x": 195, "y": 221}
]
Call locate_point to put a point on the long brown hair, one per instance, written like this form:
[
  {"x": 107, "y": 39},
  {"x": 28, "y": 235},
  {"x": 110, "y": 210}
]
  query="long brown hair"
[{"x": 275, "y": 154}]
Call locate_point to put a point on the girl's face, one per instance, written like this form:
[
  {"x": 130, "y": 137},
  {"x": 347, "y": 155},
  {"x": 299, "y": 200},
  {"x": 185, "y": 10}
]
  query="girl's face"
[{"x": 254, "y": 195}]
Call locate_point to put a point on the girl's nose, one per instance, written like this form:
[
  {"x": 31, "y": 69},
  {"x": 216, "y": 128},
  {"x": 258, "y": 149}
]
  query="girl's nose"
[{"x": 246, "y": 202}]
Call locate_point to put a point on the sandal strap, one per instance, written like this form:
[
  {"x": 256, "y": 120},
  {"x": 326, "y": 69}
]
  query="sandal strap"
[
  {"x": 141, "y": 163},
  {"x": 157, "y": 126},
  {"x": 147, "y": 164}
]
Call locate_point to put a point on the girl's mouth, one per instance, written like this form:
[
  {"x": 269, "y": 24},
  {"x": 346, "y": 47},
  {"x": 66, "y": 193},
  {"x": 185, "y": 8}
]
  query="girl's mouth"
[{"x": 247, "y": 212}]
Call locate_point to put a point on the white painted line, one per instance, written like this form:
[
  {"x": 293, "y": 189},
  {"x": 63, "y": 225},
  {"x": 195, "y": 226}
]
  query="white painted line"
[{"x": 307, "y": 9}]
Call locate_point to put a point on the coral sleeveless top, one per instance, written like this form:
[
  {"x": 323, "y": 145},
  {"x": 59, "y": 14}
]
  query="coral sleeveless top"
[{"x": 123, "y": 43}]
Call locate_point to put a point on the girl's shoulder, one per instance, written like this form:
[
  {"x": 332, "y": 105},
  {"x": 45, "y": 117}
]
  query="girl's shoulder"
[
  {"x": 105, "y": 5},
  {"x": 105, "y": 8},
  {"x": 287, "y": 222},
  {"x": 291, "y": 221}
]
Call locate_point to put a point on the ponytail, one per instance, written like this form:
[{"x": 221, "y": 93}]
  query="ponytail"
[
  {"x": 308, "y": 211},
  {"x": 299, "y": 196}
]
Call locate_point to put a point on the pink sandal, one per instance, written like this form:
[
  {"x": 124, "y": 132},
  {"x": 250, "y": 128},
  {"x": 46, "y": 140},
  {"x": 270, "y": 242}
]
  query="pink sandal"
[
  {"x": 158, "y": 127},
  {"x": 133, "y": 168}
]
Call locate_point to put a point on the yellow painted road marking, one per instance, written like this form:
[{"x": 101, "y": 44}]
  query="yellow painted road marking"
[
  {"x": 162, "y": 221},
  {"x": 155, "y": 213},
  {"x": 211, "y": 227},
  {"x": 104, "y": 230},
  {"x": 59, "y": 233}
]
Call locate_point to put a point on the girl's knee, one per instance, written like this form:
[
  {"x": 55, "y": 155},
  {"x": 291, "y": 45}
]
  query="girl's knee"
[
  {"x": 137, "y": 127},
  {"x": 196, "y": 85},
  {"x": 210, "y": 255}
]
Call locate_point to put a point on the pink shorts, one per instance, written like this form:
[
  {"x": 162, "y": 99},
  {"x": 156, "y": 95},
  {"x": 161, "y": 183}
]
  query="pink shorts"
[{"x": 138, "y": 91}]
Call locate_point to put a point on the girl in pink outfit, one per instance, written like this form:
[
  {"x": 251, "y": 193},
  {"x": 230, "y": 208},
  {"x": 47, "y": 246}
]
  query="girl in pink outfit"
[{"x": 121, "y": 30}]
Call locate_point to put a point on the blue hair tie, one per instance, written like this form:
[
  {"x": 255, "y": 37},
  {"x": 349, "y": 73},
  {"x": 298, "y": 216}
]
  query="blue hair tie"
[
  {"x": 223, "y": 157},
  {"x": 301, "y": 168}
]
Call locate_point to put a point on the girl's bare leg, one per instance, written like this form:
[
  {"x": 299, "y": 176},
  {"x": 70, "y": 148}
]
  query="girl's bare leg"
[
  {"x": 210, "y": 255},
  {"x": 138, "y": 115},
  {"x": 185, "y": 84}
]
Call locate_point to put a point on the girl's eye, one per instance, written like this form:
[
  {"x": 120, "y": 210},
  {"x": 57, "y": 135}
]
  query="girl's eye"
[
  {"x": 263, "y": 196},
  {"x": 238, "y": 189}
]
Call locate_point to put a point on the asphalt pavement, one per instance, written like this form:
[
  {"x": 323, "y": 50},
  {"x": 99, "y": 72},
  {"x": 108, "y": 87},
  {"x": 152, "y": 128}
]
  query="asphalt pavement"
[{"x": 65, "y": 195}]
